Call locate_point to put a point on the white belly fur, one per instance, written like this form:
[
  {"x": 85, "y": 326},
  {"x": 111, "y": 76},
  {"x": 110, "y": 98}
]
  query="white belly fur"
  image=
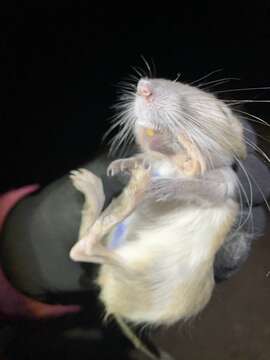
[{"x": 169, "y": 260}]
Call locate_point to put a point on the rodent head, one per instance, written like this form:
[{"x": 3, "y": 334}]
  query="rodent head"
[{"x": 170, "y": 111}]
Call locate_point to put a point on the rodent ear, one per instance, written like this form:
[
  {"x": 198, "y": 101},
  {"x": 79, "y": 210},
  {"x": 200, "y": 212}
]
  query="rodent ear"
[
  {"x": 193, "y": 167},
  {"x": 195, "y": 164}
]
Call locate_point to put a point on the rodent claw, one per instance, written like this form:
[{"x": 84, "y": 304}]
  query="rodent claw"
[
  {"x": 109, "y": 171},
  {"x": 127, "y": 165}
]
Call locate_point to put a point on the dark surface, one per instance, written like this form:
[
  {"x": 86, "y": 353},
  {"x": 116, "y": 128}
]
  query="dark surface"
[
  {"x": 236, "y": 323},
  {"x": 59, "y": 68},
  {"x": 60, "y": 65}
]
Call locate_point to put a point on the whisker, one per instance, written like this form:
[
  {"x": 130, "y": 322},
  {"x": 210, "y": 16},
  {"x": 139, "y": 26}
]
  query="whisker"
[
  {"x": 249, "y": 202},
  {"x": 260, "y": 120},
  {"x": 217, "y": 82},
  {"x": 147, "y": 65},
  {"x": 244, "y": 101},
  {"x": 257, "y": 148},
  {"x": 205, "y": 76},
  {"x": 214, "y": 85},
  {"x": 132, "y": 77},
  {"x": 126, "y": 85},
  {"x": 120, "y": 139},
  {"x": 256, "y": 134},
  {"x": 117, "y": 121},
  {"x": 244, "y": 89},
  {"x": 261, "y": 192},
  {"x": 241, "y": 189},
  {"x": 108, "y": 132},
  {"x": 138, "y": 71},
  {"x": 177, "y": 77},
  {"x": 241, "y": 201}
]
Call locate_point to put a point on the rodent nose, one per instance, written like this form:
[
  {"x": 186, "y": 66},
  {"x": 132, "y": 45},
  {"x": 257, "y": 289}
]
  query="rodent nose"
[{"x": 144, "y": 89}]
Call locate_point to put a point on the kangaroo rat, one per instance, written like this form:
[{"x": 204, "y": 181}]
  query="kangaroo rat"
[{"x": 157, "y": 241}]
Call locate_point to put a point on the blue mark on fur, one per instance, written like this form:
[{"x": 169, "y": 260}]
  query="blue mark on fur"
[
  {"x": 117, "y": 236},
  {"x": 155, "y": 173}
]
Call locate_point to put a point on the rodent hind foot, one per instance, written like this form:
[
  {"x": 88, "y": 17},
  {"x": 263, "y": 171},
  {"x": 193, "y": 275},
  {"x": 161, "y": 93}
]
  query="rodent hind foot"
[
  {"x": 87, "y": 183},
  {"x": 82, "y": 252}
]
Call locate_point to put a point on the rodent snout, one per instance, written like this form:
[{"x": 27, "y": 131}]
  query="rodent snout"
[{"x": 144, "y": 89}]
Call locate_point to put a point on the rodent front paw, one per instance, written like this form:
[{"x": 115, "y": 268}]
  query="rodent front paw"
[
  {"x": 127, "y": 165},
  {"x": 116, "y": 167}
]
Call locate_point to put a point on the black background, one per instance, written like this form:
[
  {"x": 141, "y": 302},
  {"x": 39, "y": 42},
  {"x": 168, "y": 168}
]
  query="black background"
[{"x": 60, "y": 62}]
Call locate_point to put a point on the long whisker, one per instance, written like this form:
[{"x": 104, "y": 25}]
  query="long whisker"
[
  {"x": 205, "y": 76},
  {"x": 256, "y": 134},
  {"x": 117, "y": 121},
  {"x": 132, "y": 77},
  {"x": 257, "y": 148},
  {"x": 120, "y": 139},
  {"x": 241, "y": 190},
  {"x": 138, "y": 71},
  {"x": 244, "y": 101},
  {"x": 261, "y": 121},
  {"x": 249, "y": 202},
  {"x": 109, "y": 131},
  {"x": 177, "y": 77},
  {"x": 261, "y": 192},
  {"x": 147, "y": 65},
  {"x": 244, "y": 89},
  {"x": 217, "y": 82},
  {"x": 126, "y": 85},
  {"x": 207, "y": 88}
]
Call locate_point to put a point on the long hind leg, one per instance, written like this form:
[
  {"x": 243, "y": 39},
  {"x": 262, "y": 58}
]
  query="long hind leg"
[
  {"x": 117, "y": 210},
  {"x": 91, "y": 187},
  {"x": 89, "y": 248}
]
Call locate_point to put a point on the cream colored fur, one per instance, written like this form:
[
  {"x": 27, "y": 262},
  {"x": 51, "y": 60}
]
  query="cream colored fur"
[
  {"x": 170, "y": 254},
  {"x": 163, "y": 271}
]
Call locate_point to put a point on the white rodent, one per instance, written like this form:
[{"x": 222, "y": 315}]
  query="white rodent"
[{"x": 157, "y": 242}]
